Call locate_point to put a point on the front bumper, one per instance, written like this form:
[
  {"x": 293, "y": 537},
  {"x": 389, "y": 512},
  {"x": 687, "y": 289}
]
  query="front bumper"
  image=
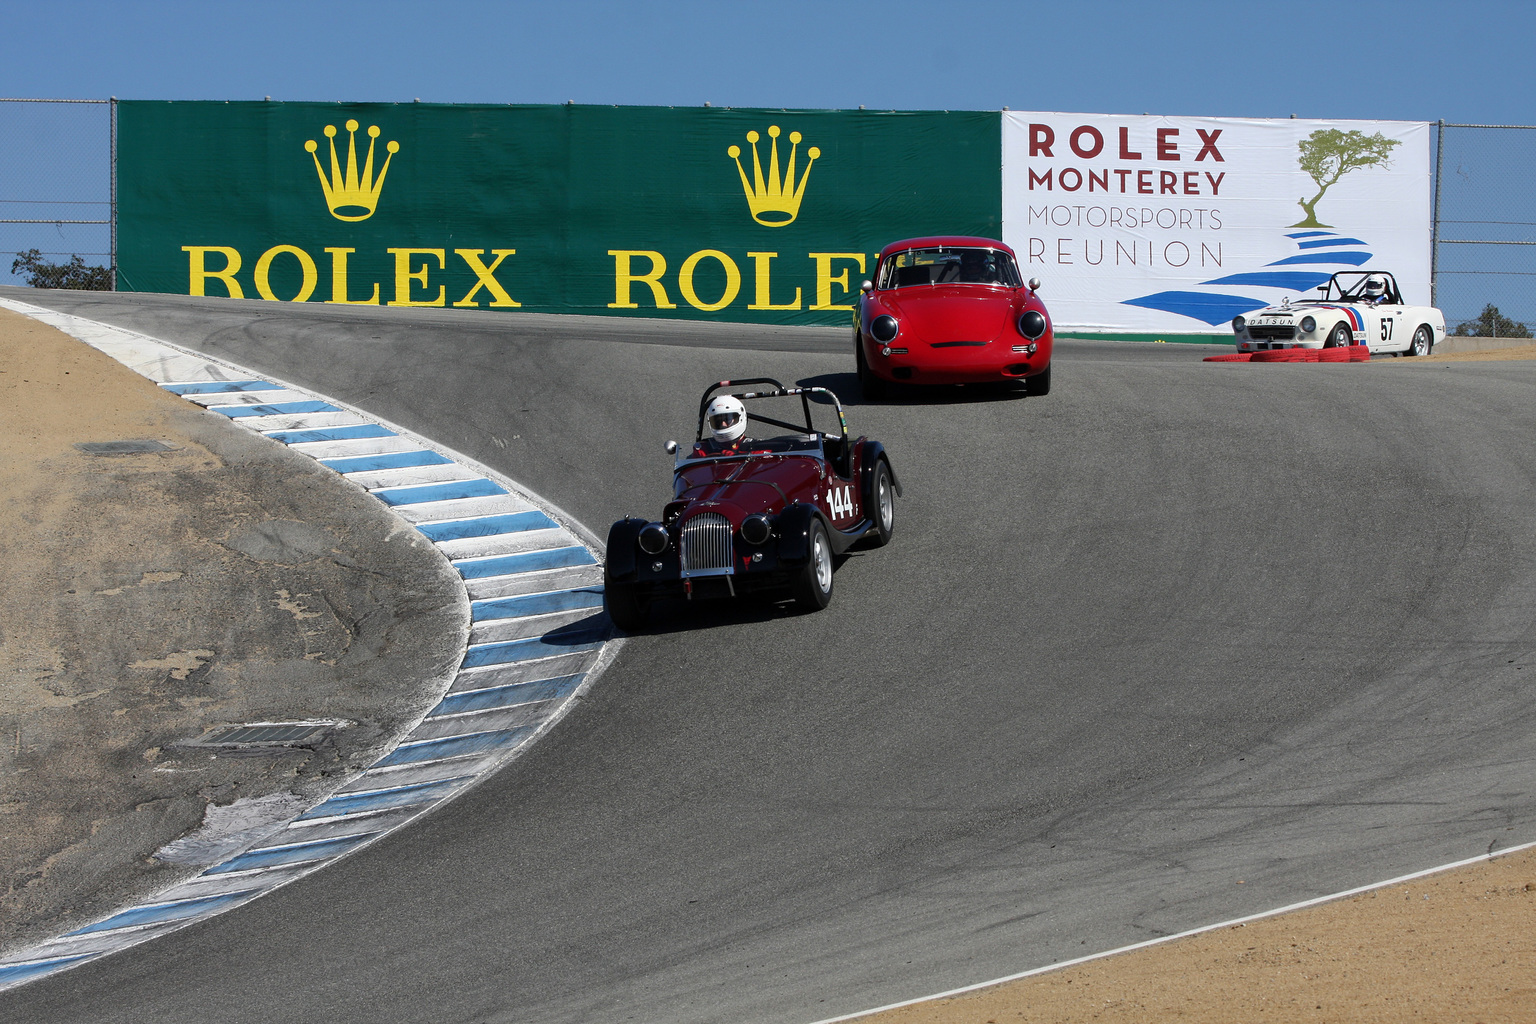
[{"x": 959, "y": 363}]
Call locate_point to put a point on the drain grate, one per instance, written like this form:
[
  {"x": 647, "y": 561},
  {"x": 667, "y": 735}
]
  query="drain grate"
[
  {"x": 265, "y": 734},
  {"x": 122, "y": 447}
]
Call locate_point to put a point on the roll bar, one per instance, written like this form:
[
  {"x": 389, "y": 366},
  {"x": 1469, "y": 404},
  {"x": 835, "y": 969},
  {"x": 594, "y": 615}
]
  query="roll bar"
[{"x": 777, "y": 391}]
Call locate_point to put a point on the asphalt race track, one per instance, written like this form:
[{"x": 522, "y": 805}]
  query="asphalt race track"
[{"x": 1176, "y": 643}]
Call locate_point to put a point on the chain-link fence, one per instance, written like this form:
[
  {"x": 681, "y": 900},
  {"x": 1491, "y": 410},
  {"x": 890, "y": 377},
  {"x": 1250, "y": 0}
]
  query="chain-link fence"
[
  {"x": 55, "y": 183},
  {"x": 57, "y": 198},
  {"x": 1485, "y": 229}
]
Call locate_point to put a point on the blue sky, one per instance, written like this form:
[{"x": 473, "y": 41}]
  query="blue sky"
[
  {"x": 1467, "y": 62},
  {"x": 1411, "y": 60}
]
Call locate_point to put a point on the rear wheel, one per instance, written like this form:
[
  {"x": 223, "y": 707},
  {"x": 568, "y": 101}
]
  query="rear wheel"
[
  {"x": 624, "y": 606},
  {"x": 882, "y": 511},
  {"x": 1339, "y": 337},
  {"x": 1040, "y": 383},
  {"x": 1422, "y": 342},
  {"x": 873, "y": 388},
  {"x": 812, "y": 588}
]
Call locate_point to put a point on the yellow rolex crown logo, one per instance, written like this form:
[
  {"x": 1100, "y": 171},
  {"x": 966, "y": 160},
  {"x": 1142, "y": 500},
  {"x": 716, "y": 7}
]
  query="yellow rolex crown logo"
[
  {"x": 349, "y": 196},
  {"x": 776, "y": 201}
]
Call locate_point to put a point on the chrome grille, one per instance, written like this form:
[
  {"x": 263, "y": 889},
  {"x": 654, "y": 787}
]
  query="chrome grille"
[
  {"x": 706, "y": 545},
  {"x": 1271, "y": 333}
]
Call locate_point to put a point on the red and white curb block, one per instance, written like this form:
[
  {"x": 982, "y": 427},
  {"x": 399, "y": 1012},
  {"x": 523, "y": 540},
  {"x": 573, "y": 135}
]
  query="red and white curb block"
[
  {"x": 537, "y": 635},
  {"x": 1297, "y": 354}
]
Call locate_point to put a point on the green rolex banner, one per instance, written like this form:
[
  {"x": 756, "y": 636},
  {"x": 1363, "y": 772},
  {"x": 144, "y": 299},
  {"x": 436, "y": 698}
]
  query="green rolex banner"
[{"x": 705, "y": 213}]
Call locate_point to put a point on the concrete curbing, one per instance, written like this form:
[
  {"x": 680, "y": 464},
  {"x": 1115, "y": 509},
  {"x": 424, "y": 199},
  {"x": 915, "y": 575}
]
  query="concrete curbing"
[{"x": 537, "y": 637}]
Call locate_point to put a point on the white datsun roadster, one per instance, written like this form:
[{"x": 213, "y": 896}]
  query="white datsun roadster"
[{"x": 1355, "y": 308}]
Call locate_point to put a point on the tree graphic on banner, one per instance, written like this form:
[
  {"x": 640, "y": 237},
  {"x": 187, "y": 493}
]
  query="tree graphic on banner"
[{"x": 1328, "y": 154}]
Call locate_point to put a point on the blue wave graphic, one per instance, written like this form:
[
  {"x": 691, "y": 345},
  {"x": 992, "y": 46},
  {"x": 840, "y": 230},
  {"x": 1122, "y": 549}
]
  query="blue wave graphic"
[
  {"x": 1203, "y": 306},
  {"x": 1322, "y": 242},
  {"x": 1354, "y": 259},
  {"x": 1300, "y": 281},
  {"x": 1215, "y": 307}
]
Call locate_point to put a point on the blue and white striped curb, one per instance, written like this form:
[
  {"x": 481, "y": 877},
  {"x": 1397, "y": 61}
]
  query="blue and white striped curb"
[{"x": 536, "y": 636}]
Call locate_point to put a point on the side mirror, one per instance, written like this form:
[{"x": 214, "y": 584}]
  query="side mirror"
[
  {"x": 1034, "y": 284},
  {"x": 867, "y": 286},
  {"x": 671, "y": 447}
]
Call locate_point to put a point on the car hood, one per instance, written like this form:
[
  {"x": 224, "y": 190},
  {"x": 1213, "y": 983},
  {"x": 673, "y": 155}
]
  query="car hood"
[
  {"x": 940, "y": 313},
  {"x": 738, "y": 488},
  {"x": 1296, "y": 310}
]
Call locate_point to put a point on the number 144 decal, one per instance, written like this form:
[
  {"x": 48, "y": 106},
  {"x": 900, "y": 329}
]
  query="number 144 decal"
[{"x": 840, "y": 499}]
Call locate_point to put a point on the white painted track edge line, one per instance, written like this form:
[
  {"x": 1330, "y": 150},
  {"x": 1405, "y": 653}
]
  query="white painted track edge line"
[{"x": 1315, "y": 901}]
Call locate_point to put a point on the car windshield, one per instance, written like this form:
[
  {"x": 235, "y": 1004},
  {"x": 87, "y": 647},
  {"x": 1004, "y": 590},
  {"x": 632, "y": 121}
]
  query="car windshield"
[
  {"x": 947, "y": 265},
  {"x": 792, "y": 444}
]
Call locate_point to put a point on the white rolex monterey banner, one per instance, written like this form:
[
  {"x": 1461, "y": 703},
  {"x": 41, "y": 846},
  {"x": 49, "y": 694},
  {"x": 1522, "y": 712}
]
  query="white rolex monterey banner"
[{"x": 1177, "y": 224}]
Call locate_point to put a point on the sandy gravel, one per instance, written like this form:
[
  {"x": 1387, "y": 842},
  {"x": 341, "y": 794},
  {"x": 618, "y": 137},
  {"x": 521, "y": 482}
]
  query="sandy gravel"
[
  {"x": 145, "y": 599},
  {"x": 1487, "y": 356},
  {"x": 1459, "y": 946}
]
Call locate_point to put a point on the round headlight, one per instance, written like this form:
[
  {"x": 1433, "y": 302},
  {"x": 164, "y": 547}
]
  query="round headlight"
[
  {"x": 1032, "y": 324},
  {"x": 653, "y": 538},
  {"x": 756, "y": 529},
  {"x": 883, "y": 328},
  {"x": 1238, "y": 323},
  {"x": 1308, "y": 325}
]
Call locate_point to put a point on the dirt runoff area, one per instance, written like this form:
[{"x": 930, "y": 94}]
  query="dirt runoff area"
[
  {"x": 1459, "y": 946},
  {"x": 146, "y": 599},
  {"x": 1491, "y": 355}
]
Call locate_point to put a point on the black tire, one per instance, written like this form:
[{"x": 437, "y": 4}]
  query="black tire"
[
  {"x": 1339, "y": 337},
  {"x": 1423, "y": 342},
  {"x": 882, "y": 510},
  {"x": 1040, "y": 383},
  {"x": 873, "y": 388},
  {"x": 624, "y": 606},
  {"x": 812, "y": 589}
]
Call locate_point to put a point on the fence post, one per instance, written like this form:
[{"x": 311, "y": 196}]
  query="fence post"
[
  {"x": 112, "y": 143},
  {"x": 1434, "y": 229}
]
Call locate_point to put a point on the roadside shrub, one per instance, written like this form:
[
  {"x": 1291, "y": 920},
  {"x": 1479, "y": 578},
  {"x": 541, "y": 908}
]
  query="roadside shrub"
[
  {"x": 74, "y": 274},
  {"x": 1492, "y": 324}
]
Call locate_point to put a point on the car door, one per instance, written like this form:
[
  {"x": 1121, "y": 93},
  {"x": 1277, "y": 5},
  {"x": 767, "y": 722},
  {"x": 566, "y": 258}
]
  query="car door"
[{"x": 1390, "y": 331}]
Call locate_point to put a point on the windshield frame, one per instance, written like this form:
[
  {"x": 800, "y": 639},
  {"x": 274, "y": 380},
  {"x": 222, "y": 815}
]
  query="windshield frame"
[{"x": 886, "y": 272}]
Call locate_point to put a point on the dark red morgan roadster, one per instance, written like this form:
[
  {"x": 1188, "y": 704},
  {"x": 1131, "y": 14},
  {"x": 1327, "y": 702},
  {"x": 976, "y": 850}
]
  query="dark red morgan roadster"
[{"x": 754, "y": 514}]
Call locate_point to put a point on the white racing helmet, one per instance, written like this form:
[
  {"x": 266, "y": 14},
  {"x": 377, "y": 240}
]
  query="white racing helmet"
[
  {"x": 727, "y": 418},
  {"x": 1375, "y": 287}
]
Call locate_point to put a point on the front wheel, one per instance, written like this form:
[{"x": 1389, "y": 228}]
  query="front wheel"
[
  {"x": 1040, "y": 383},
  {"x": 624, "y": 606},
  {"x": 1423, "y": 342},
  {"x": 882, "y": 496},
  {"x": 812, "y": 588},
  {"x": 1339, "y": 337},
  {"x": 873, "y": 388}
]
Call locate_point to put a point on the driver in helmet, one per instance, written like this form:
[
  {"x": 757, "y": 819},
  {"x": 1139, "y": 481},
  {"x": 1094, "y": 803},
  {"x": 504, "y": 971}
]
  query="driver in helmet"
[
  {"x": 726, "y": 418},
  {"x": 1375, "y": 291}
]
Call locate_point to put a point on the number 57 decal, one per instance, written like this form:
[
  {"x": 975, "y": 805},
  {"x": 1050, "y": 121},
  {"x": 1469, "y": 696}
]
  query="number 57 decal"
[{"x": 1386, "y": 328}]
